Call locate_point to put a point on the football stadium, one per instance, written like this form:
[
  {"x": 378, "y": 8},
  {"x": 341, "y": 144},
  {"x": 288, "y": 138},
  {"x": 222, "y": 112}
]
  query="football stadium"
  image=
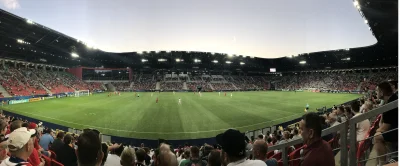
[{"x": 171, "y": 93}]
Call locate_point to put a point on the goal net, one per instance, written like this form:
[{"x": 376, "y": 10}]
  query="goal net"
[{"x": 81, "y": 93}]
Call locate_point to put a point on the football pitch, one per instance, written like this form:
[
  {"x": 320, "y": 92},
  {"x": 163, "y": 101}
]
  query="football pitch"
[{"x": 197, "y": 117}]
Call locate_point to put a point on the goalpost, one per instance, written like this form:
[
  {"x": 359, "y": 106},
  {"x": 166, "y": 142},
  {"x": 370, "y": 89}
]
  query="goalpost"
[{"x": 82, "y": 93}]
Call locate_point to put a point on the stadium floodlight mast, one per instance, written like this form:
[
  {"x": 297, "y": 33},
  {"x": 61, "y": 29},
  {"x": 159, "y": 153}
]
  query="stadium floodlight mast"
[
  {"x": 302, "y": 62},
  {"x": 74, "y": 55}
]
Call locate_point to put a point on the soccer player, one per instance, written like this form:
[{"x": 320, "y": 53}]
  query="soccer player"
[
  {"x": 307, "y": 106},
  {"x": 151, "y": 94},
  {"x": 157, "y": 100},
  {"x": 179, "y": 101},
  {"x": 225, "y": 93},
  {"x": 219, "y": 93},
  {"x": 173, "y": 92},
  {"x": 231, "y": 94},
  {"x": 119, "y": 93},
  {"x": 138, "y": 95},
  {"x": 199, "y": 93}
]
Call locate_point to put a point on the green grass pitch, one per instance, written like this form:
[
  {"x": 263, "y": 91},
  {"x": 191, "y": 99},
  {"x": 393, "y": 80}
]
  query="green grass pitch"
[{"x": 197, "y": 117}]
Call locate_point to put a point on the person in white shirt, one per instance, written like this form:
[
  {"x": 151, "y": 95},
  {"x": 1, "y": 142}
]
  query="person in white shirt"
[
  {"x": 361, "y": 127},
  {"x": 234, "y": 149},
  {"x": 179, "y": 101}
]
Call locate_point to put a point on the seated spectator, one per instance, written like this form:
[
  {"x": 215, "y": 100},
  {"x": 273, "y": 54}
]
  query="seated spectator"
[
  {"x": 296, "y": 134},
  {"x": 389, "y": 121},
  {"x": 185, "y": 158},
  {"x": 114, "y": 158},
  {"x": 3, "y": 148},
  {"x": 140, "y": 157},
  {"x": 128, "y": 157},
  {"x": 89, "y": 149},
  {"x": 195, "y": 157},
  {"x": 260, "y": 150},
  {"x": 234, "y": 149},
  {"x": 269, "y": 141},
  {"x": 20, "y": 145},
  {"x": 214, "y": 158},
  {"x": 66, "y": 153},
  {"x": 46, "y": 140},
  {"x": 58, "y": 142},
  {"x": 104, "y": 148},
  {"x": 166, "y": 157},
  {"x": 361, "y": 127},
  {"x": 3, "y": 126},
  {"x": 318, "y": 152}
]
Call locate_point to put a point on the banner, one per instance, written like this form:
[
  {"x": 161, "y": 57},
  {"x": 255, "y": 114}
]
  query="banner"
[
  {"x": 51, "y": 97},
  {"x": 18, "y": 101},
  {"x": 34, "y": 99}
]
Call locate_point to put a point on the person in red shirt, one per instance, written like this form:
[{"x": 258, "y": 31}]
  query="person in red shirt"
[
  {"x": 157, "y": 100},
  {"x": 317, "y": 151}
]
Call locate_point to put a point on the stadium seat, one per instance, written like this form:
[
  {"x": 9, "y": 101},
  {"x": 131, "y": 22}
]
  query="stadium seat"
[
  {"x": 270, "y": 154},
  {"x": 47, "y": 160},
  {"x": 277, "y": 156},
  {"x": 294, "y": 157},
  {"x": 53, "y": 155},
  {"x": 365, "y": 145}
]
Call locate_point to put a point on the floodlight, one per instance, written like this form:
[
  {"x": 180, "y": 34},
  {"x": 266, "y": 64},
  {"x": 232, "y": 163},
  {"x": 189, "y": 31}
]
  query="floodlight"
[
  {"x": 74, "y": 55},
  {"x": 242, "y": 63},
  {"x": 366, "y": 21},
  {"x": 355, "y": 3},
  {"x": 215, "y": 61},
  {"x": 197, "y": 60},
  {"x": 144, "y": 60},
  {"x": 302, "y": 62},
  {"x": 228, "y": 62},
  {"x": 177, "y": 60},
  {"x": 20, "y": 41},
  {"x": 29, "y": 21}
]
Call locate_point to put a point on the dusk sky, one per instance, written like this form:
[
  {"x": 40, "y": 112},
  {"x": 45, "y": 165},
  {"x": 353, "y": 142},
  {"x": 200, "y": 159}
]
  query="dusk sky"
[{"x": 261, "y": 28}]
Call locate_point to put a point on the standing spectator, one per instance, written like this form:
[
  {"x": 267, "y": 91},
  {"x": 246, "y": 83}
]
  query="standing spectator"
[
  {"x": 89, "y": 149},
  {"x": 234, "y": 149},
  {"x": 361, "y": 127},
  {"x": 58, "y": 142},
  {"x": 20, "y": 145},
  {"x": 318, "y": 152},
  {"x": 389, "y": 122},
  {"x": 147, "y": 158},
  {"x": 260, "y": 150},
  {"x": 66, "y": 153},
  {"x": 114, "y": 159}
]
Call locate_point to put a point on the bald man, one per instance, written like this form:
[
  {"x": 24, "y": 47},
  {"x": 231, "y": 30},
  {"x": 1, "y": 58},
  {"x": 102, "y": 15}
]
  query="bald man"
[{"x": 260, "y": 150}]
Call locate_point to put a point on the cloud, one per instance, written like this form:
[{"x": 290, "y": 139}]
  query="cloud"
[{"x": 10, "y": 4}]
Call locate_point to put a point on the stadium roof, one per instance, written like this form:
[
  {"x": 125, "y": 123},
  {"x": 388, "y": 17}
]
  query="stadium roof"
[{"x": 26, "y": 40}]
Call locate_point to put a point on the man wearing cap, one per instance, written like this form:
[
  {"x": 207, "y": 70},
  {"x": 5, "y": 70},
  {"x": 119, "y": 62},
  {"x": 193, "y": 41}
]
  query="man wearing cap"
[
  {"x": 20, "y": 146},
  {"x": 234, "y": 148}
]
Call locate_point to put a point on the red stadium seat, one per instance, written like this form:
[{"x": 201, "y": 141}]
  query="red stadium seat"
[
  {"x": 47, "y": 160},
  {"x": 277, "y": 156},
  {"x": 294, "y": 157},
  {"x": 270, "y": 154},
  {"x": 365, "y": 145},
  {"x": 53, "y": 155}
]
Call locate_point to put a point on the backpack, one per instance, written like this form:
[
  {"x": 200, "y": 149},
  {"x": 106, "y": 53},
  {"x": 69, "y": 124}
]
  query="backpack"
[{"x": 196, "y": 163}]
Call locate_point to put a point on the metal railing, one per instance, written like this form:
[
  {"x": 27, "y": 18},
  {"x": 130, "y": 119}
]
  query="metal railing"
[{"x": 343, "y": 129}]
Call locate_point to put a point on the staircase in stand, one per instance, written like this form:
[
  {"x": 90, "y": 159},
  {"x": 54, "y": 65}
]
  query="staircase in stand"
[
  {"x": 158, "y": 86},
  {"x": 185, "y": 86},
  {"x": 4, "y": 92},
  {"x": 212, "y": 88}
]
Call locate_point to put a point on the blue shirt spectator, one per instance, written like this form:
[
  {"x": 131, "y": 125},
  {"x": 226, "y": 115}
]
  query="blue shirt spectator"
[{"x": 45, "y": 140}]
